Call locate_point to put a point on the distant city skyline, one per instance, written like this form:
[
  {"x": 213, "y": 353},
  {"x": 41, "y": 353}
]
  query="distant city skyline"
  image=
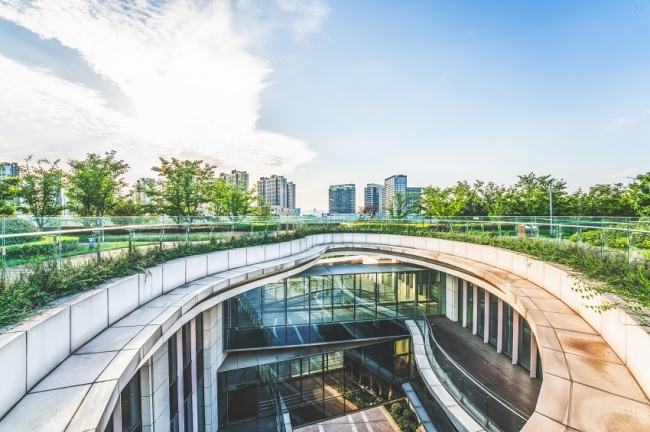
[{"x": 331, "y": 91}]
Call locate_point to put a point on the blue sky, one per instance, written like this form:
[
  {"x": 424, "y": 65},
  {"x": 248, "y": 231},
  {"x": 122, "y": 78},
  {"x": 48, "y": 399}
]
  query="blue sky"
[{"x": 330, "y": 92}]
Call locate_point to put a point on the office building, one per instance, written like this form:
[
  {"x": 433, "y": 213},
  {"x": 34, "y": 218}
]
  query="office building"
[
  {"x": 8, "y": 169},
  {"x": 398, "y": 184},
  {"x": 237, "y": 178},
  {"x": 277, "y": 191},
  {"x": 342, "y": 199},
  {"x": 372, "y": 195}
]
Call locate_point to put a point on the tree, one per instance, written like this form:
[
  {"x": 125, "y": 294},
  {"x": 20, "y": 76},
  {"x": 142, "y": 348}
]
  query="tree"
[
  {"x": 369, "y": 211},
  {"x": 9, "y": 187},
  {"x": 232, "y": 200},
  {"x": 445, "y": 202},
  {"x": 530, "y": 196},
  {"x": 402, "y": 205},
  {"x": 602, "y": 200},
  {"x": 95, "y": 184},
  {"x": 640, "y": 194},
  {"x": 40, "y": 188},
  {"x": 183, "y": 187}
]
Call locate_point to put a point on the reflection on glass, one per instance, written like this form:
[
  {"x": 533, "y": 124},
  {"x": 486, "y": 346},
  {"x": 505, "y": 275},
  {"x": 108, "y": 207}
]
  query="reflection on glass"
[{"x": 317, "y": 387}]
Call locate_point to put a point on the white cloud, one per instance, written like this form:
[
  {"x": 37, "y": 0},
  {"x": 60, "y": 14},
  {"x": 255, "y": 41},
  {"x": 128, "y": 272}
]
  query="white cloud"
[{"x": 193, "y": 83}]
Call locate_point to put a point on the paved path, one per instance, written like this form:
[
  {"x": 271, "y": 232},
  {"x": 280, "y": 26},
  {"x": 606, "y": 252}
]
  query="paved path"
[{"x": 371, "y": 420}]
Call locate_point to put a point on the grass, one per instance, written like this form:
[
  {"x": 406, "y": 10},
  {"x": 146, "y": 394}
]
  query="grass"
[{"x": 46, "y": 280}]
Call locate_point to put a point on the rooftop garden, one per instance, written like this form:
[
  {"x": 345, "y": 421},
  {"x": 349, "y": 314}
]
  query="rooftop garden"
[{"x": 40, "y": 281}]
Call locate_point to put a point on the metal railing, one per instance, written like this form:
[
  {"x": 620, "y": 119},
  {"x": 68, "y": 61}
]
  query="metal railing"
[{"x": 482, "y": 404}]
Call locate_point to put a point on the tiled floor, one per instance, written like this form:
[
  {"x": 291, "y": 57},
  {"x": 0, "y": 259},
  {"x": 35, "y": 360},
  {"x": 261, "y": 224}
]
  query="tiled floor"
[{"x": 371, "y": 420}]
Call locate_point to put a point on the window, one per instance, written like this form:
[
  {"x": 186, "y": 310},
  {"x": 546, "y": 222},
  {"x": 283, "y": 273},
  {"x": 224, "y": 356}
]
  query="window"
[
  {"x": 480, "y": 319},
  {"x": 131, "y": 408},
  {"x": 461, "y": 293},
  {"x": 187, "y": 376},
  {"x": 470, "y": 305},
  {"x": 494, "y": 319},
  {"x": 524, "y": 343},
  {"x": 200, "y": 398},
  {"x": 508, "y": 316},
  {"x": 172, "y": 355}
]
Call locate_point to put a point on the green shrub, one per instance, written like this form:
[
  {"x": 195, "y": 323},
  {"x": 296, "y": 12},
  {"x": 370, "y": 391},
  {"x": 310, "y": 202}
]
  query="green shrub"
[
  {"x": 20, "y": 226},
  {"x": 42, "y": 248}
]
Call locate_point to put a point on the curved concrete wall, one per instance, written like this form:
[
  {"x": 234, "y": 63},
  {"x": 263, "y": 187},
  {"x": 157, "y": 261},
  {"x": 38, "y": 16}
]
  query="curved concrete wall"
[{"x": 593, "y": 363}]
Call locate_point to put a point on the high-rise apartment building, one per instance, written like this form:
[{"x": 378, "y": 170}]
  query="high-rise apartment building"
[
  {"x": 392, "y": 185},
  {"x": 237, "y": 178},
  {"x": 8, "y": 169},
  {"x": 277, "y": 191},
  {"x": 398, "y": 184},
  {"x": 342, "y": 199},
  {"x": 372, "y": 195},
  {"x": 291, "y": 195}
]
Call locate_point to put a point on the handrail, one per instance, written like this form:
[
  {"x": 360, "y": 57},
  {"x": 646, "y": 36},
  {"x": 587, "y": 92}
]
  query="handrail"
[{"x": 504, "y": 418}]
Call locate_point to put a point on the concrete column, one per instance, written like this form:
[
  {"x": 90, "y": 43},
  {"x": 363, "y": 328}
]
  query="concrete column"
[
  {"x": 160, "y": 389},
  {"x": 475, "y": 311},
  {"x": 500, "y": 328},
  {"x": 451, "y": 297},
  {"x": 486, "y": 318},
  {"x": 181, "y": 379},
  {"x": 117, "y": 415},
  {"x": 515, "y": 337},
  {"x": 533, "y": 355},
  {"x": 195, "y": 409},
  {"x": 145, "y": 396},
  {"x": 464, "y": 304}
]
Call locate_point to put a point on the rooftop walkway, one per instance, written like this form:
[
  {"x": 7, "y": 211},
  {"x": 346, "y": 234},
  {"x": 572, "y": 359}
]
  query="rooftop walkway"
[{"x": 494, "y": 371}]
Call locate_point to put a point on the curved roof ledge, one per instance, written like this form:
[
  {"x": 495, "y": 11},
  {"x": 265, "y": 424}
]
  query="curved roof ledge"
[{"x": 594, "y": 365}]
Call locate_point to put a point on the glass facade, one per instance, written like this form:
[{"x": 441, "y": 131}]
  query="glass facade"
[
  {"x": 131, "y": 405},
  {"x": 494, "y": 319},
  {"x": 317, "y": 387},
  {"x": 317, "y": 309},
  {"x": 470, "y": 305},
  {"x": 172, "y": 361},
  {"x": 524, "y": 343},
  {"x": 506, "y": 341},
  {"x": 480, "y": 312},
  {"x": 461, "y": 294}
]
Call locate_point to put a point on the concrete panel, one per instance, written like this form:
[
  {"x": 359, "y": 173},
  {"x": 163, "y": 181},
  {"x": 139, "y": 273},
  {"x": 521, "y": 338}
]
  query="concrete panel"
[
  {"x": 419, "y": 243},
  {"x": 217, "y": 262},
  {"x": 196, "y": 267},
  {"x": 553, "y": 280},
  {"x": 447, "y": 247},
  {"x": 123, "y": 298},
  {"x": 614, "y": 330},
  {"x": 638, "y": 353},
  {"x": 285, "y": 249},
  {"x": 236, "y": 258},
  {"x": 48, "y": 344},
  {"x": 489, "y": 255},
  {"x": 520, "y": 265},
  {"x": 394, "y": 240},
  {"x": 173, "y": 275},
  {"x": 93, "y": 408},
  {"x": 536, "y": 272},
  {"x": 88, "y": 317},
  {"x": 433, "y": 245},
  {"x": 337, "y": 238},
  {"x": 504, "y": 260},
  {"x": 407, "y": 241},
  {"x": 327, "y": 238},
  {"x": 318, "y": 239},
  {"x": 348, "y": 238},
  {"x": 384, "y": 239},
  {"x": 569, "y": 293},
  {"x": 150, "y": 284},
  {"x": 48, "y": 411},
  {"x": 460, "y": 249},
  {"x": 309, "y": 242},
  {"x": 359, "y": 238},
  {"x": 254, "y": 255},
  {"x": 13, "y": 369},
  {"x": 474, "y": 252},
  {"x": 271, "y": 252}
]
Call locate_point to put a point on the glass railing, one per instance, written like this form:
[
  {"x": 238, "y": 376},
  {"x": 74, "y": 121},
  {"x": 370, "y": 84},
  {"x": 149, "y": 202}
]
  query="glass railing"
[
  {"x": 483, "y": 405},
  {"x": 23, "y": 239}
]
